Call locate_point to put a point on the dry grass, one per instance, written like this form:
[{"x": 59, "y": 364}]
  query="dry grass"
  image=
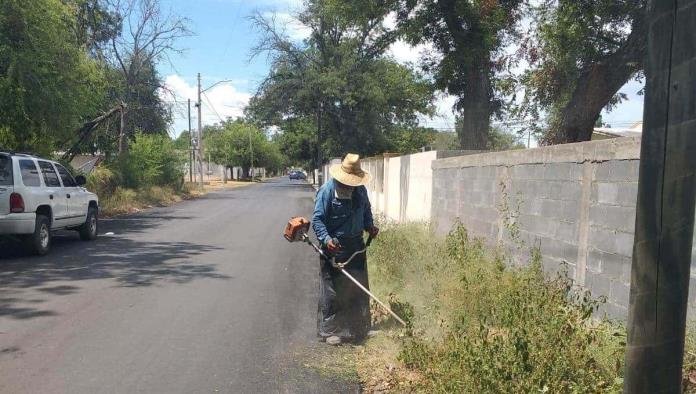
[
  {"x": 480, "y": 323},
  {"x": 125, "y": 201}
]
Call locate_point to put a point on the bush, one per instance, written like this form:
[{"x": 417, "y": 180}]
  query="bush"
[
  {"x": 151, "y": 161},
  {"x": 103, "y": 181},
  {"x": 480, "y": 324}
]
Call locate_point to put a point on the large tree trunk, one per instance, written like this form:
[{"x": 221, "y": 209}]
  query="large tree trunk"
[
  {"x": 474, "y": 60},
  {"x": 598, "y": 83},
  {"x": 475, "y": 109}
]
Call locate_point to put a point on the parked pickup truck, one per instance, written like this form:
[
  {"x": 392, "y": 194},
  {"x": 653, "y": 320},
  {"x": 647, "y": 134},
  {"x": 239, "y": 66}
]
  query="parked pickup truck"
[{"x": 38, "y": 196}]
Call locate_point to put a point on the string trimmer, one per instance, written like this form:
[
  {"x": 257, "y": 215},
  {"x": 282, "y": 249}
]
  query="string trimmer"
[{"x": 296, "y": 231}]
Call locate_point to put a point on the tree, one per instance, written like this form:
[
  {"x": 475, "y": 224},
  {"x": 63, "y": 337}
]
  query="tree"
[
  {"x": 96, "y": 25},
  {"x": 501, "y": 140},
  {"x": 468, "y": 37},
  {"x": 150, "y": 37},
  {"x": 339, "y": 80},
  {"x": 581, "y": 53},
  {"x": 237, "y": 143},
  {"x": 412, "y": 139},
  {"x": 153, "y": 160},
  {"x": 297, "y": 140},
  {"x": 48, "y": 83},
  {"x": 183, "y": 141}
]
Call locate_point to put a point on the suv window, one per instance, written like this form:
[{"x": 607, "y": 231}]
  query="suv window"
[
  {"x": 5, "y": 170},
  {"x": 49, "y": 174},
  {"x": 30, "y": 174},
  {"x": 68, "y": 180}
]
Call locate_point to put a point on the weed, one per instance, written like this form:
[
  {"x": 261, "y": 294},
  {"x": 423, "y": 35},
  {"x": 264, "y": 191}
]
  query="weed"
[{"x": 480, "y": 325}]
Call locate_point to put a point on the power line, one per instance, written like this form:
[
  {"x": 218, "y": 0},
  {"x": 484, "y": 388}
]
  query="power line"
[{"x": 212, "y": 107}]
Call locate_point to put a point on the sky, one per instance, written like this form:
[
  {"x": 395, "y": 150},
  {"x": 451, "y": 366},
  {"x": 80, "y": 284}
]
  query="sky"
[{"x": 220, "y": 51}]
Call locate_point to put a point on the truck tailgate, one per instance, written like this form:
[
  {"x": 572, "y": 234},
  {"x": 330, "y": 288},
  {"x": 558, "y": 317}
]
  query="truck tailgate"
[{"x": 6, "y": 183}]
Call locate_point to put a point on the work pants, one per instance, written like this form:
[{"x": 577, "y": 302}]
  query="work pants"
[{"x": 344, "y": 309}]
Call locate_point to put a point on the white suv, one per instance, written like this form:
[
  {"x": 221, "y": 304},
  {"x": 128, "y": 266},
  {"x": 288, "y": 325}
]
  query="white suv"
[{"x": 38, "y": 196}]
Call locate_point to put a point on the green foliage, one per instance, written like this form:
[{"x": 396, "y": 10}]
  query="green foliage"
[
  {"x": 573, "y": 40},
  {"x": 183, "y": 141},
  {"x": 445, "y": 141},
  {"x": 298, "y": 140},
  {"x": 237, "y": 143},
  {"x": 64, "y": 63},
  {"x": 468, "y": 37},
  {"x": 339, "y": 81},
  {"x": 151, "y": 161},
  {"x": 480, "y": 324},
  {"x": 48, "y": 83},
  {"x": 500, "y": 140},
  {"x": 103, "y": 181},
  {"x": 411, "y": 140}
]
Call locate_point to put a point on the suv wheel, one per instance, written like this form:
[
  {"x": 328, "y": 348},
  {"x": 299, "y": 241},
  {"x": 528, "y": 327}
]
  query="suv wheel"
[
  {"x": 88, "y": 231},
  {"x": 40, "y": 242}
]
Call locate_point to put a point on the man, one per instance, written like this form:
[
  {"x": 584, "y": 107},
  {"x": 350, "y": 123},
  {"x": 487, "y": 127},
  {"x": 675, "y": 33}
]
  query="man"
[{"x": 341, "y": 214}]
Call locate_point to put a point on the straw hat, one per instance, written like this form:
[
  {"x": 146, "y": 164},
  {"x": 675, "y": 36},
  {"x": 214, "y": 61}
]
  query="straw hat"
[{"x": 349, "y": 171}]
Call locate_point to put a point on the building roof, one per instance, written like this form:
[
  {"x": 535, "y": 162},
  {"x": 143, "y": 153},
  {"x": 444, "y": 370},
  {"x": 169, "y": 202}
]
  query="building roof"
[{"x": 600, "y": 133}]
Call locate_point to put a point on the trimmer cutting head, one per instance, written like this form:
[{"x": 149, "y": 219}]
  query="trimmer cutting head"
[{"x": 296, "y": 229}]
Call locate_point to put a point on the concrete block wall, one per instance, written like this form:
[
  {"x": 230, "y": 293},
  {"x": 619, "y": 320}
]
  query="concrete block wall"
[{"x": 576, "y": 202}]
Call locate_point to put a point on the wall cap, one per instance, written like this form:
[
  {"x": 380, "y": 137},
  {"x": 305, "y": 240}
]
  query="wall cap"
[{"x": 626, "y": 148}]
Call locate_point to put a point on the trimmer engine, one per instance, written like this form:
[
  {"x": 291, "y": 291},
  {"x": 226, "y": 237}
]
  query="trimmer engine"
[{"x": 296, "y": 229}]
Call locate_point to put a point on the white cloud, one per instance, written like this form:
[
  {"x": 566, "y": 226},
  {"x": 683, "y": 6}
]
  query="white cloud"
[
  {"x": 405, "y": 53},
  {"x": 289, "y": 25},
  {"x": 443, "y": 119},
  {"x": 221, "y": 101},
  {"x": 293, "y": 5},
  {"x": 390, "y": 21}
]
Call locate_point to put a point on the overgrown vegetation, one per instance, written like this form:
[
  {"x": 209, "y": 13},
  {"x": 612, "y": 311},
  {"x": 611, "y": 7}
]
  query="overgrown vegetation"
[
  {"x": 239, "y": 143},
  {"x": 480, "y": 322},
  {"x": 150, "y": 174}
]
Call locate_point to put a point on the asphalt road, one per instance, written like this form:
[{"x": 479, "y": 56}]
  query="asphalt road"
[{"x": 204, "y": 296}]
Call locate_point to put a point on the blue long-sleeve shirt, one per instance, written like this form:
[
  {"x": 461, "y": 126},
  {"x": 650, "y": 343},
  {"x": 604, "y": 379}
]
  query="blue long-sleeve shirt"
[{"x": 334, "y": 217}]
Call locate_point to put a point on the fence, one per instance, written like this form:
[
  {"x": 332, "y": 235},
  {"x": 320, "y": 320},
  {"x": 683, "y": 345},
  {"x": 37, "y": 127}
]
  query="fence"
[
  {"x": 576, "y": 202},
  {"x": 215, "y": 172}
]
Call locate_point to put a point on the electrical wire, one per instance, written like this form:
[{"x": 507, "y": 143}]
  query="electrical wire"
[{"x": 212, "y": 107}]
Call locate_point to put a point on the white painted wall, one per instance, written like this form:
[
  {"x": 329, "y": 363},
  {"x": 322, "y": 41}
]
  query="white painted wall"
[
  {"x": 392, "y": 175},
  {"x": 420, "y": 184},
  {"x": 397, "y": 198}
]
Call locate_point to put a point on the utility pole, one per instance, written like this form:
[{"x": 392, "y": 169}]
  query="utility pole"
[
  {"x": 200, "y": 133},
  {"x": 190, "y": 144},
  {"x": 665, "y": 208},
  {"x": 319, "y": 159},
  {"x": 251, "y": 153},
  {"x": 199, "y": 104}
]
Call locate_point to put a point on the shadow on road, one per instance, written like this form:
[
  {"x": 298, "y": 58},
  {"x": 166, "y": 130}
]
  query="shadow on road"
[{"x": 129, "y": 263}]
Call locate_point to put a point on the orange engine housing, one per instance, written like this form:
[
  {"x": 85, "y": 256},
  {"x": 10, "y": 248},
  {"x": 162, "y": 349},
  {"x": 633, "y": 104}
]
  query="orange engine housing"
[{"x": 296, "y": 228}]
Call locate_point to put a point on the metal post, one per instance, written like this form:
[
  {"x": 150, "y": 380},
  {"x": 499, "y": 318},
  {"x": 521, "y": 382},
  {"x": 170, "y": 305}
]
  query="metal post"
[
  {"x": 665, "y": 208},
  {"x": 251, "y": 152},
  {"x": 319, "y": 159},
  {"x": 190, "y": 144},
  {"x": 200, "y": 133}
]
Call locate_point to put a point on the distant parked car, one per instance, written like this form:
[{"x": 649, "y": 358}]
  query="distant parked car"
[
  {"x": 38, "y": 196},
  {"x": 297, "y": 175}
]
